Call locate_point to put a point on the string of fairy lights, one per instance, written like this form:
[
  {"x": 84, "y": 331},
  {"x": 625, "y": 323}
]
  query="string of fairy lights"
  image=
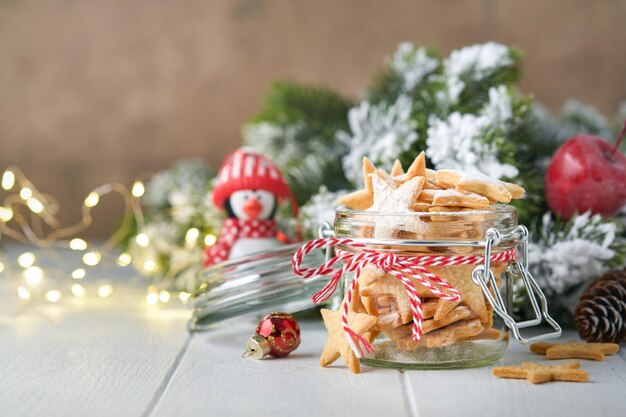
[{"x": 29, "y": 216}]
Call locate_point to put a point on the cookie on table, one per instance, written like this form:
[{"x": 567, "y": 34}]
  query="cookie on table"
[
  {"x": 337, "y": 344},
  {"x": 538, "y": 374},
  {"x": 575, "y": 350}
]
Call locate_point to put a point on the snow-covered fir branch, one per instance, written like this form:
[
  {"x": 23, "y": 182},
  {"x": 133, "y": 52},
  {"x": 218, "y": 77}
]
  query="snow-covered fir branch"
[
  {"x": 185, "y": 178},
  {"x": 320, "y": 208},
  {"x": 564, "y": 256},
  {"x": 378, "y": 131},
  {"x": 458, "y": 142},
  {"x": 475, "y": 62},
  {"x": 279, "y": 143},
  {"x": 412, "y": 65},
  {"x": 577, "y": 118}
]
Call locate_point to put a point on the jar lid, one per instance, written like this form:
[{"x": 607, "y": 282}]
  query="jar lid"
[{"x": 254, "y": 285}]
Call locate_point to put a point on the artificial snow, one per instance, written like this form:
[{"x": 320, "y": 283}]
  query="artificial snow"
[
  {"x": 457, "y": 142},
  {"x": 562, "y": 259},
  {"x": 379, "y": 132},
  {"x": 476, "y": 62},
  {"x": 412, "y": 65}
]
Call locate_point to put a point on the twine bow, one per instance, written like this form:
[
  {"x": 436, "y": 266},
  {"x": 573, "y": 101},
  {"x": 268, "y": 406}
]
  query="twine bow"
[{"x": 404, "y": 268}]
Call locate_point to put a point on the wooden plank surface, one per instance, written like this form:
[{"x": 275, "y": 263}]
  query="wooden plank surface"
[
  {"x": 118, "y": 356},
  {"x": 212, "y": 376},
  {"x": 214, "y": 379},
  {"x": 86, "y": 357}
]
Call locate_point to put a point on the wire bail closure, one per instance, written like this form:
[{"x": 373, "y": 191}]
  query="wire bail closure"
[
  {"x": 516, "y": 268},
  {"x": 324, "y": 231}
]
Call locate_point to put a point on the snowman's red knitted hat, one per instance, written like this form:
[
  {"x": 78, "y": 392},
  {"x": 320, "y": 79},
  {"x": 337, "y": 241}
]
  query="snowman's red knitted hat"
[{"x": 248, "y": 170}]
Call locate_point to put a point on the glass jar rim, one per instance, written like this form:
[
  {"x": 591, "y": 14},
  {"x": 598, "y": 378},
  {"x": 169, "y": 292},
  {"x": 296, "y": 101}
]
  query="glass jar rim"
[
  {"x": 501, "y": 210},
  {"x": 415, "y": 229}
]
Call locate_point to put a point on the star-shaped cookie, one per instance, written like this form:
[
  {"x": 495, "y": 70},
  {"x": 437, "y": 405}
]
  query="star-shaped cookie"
[
  {"x": 446, "y": 336},
  {"x": 388, "y": 285},
  {"x": 337, "y": 344},
  {"x": 362, "y": 199},
  {"x": 538, "y": 374},
  {"x": 471, "y": 294},
  {"x": 575, "y": 350},
  {"x": 390, "y": 198},
  {"x": 396, "y": 169},
  {"x": 417, "y": 169}
]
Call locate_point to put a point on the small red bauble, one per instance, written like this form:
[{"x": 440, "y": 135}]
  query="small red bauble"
[{"x": 277, "y": 335}]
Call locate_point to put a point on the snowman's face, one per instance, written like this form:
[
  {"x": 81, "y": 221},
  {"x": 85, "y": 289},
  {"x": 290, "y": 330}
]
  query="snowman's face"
[{"x": 252, "y": 204}]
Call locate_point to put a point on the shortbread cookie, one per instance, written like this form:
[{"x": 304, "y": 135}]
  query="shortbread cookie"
[
  {"x": 453, "y": 198},
  {"x": 373, "y": 307},
  {"x": 440, "y": 216},
  {"x": 429, "y": 307},
  {"x": 444, "y": 308},
  {"x": 386, "y": 301},
  {"x": 362, "y": 199},
  {"x": 459, "y": 313},
  {"x": 417, "y": 169},
  {"x": 459, "y": 199},
  {"x": 371, "y": 335},
  {"x": 538, "y": 374},
  {"x": 396, "y": 169},
  {"x": 494, "y": 190},
  {"x": 388, "y": 285},
  {"x": 575, "y": 350},
  {"x": 442, "y": 337},
  {"x": 356, "y": 304},
  {"x": 452, "y": 209},
  {"x": 391, "y": 286},
  {"x": 369, "y": 275},
  {"x": 455, "y": 332},
  {"x": 516, "y": 191},
  {"x": 337, "y": 344},
  {"x": 489, "y": 334},
  {"x": 426, "y": 196},
  {"x": 387, "y": 304},
  {"x": 422, "y": 206},
  {"x": 387, "y": 321},
  {"x": 460, "y": 277},
  {"x": 390, "y": 198},
  {"x": 399, "y": 334}
]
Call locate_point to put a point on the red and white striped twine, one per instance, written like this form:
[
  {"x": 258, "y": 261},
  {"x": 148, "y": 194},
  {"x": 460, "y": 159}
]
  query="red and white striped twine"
[{"x": 403, "y": 268}]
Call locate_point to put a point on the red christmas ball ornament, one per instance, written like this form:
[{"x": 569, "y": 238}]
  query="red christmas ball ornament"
[
  {"x": 277, "y": 335},
  {"x": 587, "y": 173}
]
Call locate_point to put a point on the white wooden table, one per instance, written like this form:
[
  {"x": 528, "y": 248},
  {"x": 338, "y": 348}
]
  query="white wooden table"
[{"x": 120, "y": 357}]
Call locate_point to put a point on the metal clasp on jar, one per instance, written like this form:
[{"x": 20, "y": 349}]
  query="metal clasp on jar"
[{"x": 518, "y": 268}]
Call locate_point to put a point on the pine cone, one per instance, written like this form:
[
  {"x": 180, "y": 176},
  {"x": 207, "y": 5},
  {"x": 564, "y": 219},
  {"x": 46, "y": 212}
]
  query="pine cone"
[{"x": 601, "y": 312}]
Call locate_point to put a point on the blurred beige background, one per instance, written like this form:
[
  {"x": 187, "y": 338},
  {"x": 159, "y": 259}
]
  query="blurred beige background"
[{"x": 93, "y": 91}]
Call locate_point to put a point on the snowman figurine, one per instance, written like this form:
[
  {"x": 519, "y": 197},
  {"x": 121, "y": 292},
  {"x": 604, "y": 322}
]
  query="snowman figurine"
[{"x": 249, "y": 189}]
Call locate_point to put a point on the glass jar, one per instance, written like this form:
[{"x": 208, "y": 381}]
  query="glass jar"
[
  {"x": 456, "y": 247},
  {"x": 420, "y": 248}
]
